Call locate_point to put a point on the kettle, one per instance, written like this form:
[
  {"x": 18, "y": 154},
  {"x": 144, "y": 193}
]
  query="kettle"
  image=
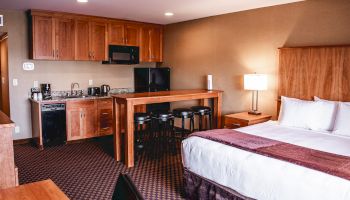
[{"x": 105, "y": 89}]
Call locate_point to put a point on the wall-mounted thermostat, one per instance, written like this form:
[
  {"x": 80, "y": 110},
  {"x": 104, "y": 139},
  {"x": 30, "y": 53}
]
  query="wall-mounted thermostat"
[
  {"x": 1, "y": 20},
  {"x": 28, "y": 66}
]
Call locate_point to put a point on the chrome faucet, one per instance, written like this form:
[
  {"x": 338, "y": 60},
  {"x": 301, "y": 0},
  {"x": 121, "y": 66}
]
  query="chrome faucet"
[{"x": 72, "y": 87}]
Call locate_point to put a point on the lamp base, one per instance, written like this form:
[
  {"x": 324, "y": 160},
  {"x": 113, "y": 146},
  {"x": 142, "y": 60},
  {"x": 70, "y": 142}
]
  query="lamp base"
[{"x": 254, "y": 112}]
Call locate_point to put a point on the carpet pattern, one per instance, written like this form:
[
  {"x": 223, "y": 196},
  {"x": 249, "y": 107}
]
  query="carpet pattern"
[{"x": 87, "y": 170}]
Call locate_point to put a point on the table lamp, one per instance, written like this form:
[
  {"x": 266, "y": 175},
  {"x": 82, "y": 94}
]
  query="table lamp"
[{"x": 255, "y": 83}]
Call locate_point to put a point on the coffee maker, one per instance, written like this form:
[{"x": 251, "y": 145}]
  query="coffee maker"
[{"x": 46, "y": 90}]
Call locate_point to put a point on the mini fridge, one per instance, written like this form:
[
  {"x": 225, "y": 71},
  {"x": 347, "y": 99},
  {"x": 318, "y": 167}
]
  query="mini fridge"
[{"x": 153, "y": 80}]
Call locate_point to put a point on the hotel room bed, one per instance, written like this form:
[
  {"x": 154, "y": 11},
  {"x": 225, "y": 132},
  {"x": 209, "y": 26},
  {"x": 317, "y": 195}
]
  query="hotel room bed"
[{"x": 261, "y": 177}]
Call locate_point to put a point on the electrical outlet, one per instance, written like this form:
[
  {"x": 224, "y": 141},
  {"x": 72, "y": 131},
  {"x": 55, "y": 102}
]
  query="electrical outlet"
[
  {"x": 91, "y": 82},
  {"x": 36, "y": 84},
  {"x": 15, "y": 82},
  {"x": 17, "y": 129}
]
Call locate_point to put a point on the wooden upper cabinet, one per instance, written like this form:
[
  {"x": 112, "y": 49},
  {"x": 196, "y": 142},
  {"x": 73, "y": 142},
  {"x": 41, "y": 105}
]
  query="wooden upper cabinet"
[
  {"x": 64, "y": 46},
  {"x": 145, "y": 48},
  {"x": 64, "y": 36},
  {"x": 116, "y": 31},
  {"x": 82, "y": 39},
  {"x": 156, "y": 35},
  {"x": 151, "y": 44},
  {"x": 132, "y": 34},
  {"x": 99, "y": 41},
  {"x": 43, "y": 41}
]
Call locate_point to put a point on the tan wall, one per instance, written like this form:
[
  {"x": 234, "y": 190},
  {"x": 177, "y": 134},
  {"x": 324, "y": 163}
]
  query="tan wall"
[
  {"x": 59, "y": 73},
  {"x": 231, "y": 45}
]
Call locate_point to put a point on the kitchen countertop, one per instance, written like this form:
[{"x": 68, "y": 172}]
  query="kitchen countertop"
[{"x": 63, "y": 100}]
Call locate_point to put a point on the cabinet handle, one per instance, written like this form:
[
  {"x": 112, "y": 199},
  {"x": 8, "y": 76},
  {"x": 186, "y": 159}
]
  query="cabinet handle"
[
  {"x": 126, "y": 40},
  {"x": 57, "y": 55},
  {"x": 236, "y": 125},
  {"x": 105, "y": 128},
  {"x": 81, "y": 115},
  {"x": 53, "y": 53},
  {"x": 105, "y": 113}
]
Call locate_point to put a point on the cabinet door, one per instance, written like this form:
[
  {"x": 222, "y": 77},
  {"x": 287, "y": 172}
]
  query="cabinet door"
[
  {"x": 43, "y": 38},
  {"x": 132, "y": 34},
  {"x": 156, "y": 44},
  {"x": 90, "y": 122},
  {"x": 145, "y": 52},
  {"x": 116, "y": 33},
  {"x": 74, "y": 123},
  {"x": 99, "y": 41},
  {"x": 105, "y": 117},
  {"x": 82, "y": 39},
  {"x": 64, "y": 39}
]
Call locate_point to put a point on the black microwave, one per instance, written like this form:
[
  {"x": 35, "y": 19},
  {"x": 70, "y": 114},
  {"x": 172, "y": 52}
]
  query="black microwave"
[{"x": 118, "y": 54}]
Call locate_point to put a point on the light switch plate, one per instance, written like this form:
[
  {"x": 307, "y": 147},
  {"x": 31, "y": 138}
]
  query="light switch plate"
[
  {"x": 1, "y": 20},
  {"x": 91, "y": 82},
  {"x": 17, "y": 129},
  {"x": 15, "y": 82},
  {"x": 36, "y": 84}
]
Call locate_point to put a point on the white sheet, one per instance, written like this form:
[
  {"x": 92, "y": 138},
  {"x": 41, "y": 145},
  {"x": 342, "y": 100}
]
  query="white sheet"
[{"x": 265, "y": 178}]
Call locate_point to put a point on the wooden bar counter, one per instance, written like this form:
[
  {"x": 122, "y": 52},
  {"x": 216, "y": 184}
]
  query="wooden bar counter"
[{"x": 129, "y": 101}]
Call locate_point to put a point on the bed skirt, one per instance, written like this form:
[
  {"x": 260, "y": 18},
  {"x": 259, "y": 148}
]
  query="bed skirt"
[{"x": 197, "y": 187}]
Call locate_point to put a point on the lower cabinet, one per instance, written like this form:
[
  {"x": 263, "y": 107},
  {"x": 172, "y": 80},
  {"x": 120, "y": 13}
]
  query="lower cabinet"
[
  {"x": 81, "y": 119},
  {"x": 93, "y": 118},
  {"x": 105, "y": 116}
]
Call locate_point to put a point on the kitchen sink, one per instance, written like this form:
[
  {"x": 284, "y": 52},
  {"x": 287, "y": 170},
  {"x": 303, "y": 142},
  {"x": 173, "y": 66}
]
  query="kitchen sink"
[{"x": 75, "y": 96}]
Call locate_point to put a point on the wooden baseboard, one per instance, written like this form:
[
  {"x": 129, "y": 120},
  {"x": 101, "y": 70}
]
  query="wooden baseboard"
[{"x": 23, "y": 141}]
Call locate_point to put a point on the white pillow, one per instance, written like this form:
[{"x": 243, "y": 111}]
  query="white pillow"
[
  {"x": 342, "y": 122},
  {"x": 295, "y": 112},
  {"x": 323, "y": 115}
]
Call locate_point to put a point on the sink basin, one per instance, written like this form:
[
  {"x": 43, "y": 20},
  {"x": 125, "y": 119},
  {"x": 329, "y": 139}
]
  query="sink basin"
[{"x": 74, "y": 96}]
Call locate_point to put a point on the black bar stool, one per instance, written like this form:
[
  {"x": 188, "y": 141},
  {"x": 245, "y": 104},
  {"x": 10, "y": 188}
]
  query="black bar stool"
[
  {"x": 140, "y": 120},
  {"x": 163, "y": 127},
  {"x": 184, "y": 113},
  {"x": 202, "y": 111}
]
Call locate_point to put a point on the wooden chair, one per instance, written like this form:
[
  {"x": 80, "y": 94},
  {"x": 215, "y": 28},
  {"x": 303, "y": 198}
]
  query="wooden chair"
[{"x": 125, "y": 189}]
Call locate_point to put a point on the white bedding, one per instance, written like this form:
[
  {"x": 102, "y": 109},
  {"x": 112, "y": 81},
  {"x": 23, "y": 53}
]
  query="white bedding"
[{"x": 265, "y": 178}]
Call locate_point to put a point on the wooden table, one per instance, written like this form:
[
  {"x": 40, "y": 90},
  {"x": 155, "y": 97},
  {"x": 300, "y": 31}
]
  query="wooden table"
[
  {"x": 130, "y": 100},
  {"x": 46, "y": 189}
]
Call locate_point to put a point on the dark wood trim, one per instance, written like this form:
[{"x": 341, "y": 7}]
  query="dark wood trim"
[{"x": 23, "y": 141}]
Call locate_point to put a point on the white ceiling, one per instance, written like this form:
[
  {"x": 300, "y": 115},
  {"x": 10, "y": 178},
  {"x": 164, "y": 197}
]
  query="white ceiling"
[{"x": 144, "y": 10}]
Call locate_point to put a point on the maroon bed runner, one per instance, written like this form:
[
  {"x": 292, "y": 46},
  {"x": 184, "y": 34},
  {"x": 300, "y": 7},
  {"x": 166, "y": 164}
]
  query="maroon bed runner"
[{"x": 330, "y": 163}]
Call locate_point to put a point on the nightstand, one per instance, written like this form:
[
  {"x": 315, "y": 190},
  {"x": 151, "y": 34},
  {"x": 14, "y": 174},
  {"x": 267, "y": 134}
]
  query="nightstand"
[{"x": 242, "y": 119}]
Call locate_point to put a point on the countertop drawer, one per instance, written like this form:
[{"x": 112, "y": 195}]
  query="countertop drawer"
[
  {"x": 235, "y": 123},
  {"x": 79, "y": 104},
  {"x": 104, "y": 102}
]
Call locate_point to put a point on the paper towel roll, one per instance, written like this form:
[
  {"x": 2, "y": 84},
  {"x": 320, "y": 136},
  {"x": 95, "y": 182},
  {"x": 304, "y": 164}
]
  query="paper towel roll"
[{"x": 210, "y": 82}]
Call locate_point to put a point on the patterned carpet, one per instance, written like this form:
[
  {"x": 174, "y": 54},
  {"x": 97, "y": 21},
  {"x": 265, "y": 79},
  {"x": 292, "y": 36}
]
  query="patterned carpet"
[{"x": 87, "y": 170}]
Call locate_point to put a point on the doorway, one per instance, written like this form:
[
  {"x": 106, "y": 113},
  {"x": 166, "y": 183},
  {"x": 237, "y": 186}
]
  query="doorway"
[{"x": 4, "y": 73}]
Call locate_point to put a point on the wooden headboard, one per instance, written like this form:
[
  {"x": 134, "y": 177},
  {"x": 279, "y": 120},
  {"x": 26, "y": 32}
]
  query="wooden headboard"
[{"x": 305, "y": 72}]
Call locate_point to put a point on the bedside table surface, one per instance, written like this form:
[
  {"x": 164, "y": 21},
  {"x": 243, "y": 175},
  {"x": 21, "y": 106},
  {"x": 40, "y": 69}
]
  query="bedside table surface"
[{"x": 248, "y": 117}]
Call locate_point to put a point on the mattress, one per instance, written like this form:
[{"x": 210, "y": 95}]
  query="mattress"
[{"x": 266, "y": 178}]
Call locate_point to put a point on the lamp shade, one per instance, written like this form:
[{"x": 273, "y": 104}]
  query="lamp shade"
[{"x": 255, "y": 82}]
